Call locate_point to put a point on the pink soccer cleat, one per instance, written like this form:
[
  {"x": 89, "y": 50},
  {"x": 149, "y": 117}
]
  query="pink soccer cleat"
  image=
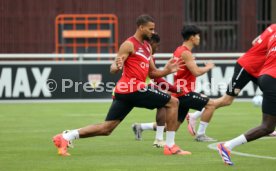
[
  {"x": 191, "y": 124},
  {"x": 175, "y": 150},
  {"x": 61, "y": 145}
]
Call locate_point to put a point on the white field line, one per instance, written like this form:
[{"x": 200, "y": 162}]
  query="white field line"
[{"x": 214, "y": 147}]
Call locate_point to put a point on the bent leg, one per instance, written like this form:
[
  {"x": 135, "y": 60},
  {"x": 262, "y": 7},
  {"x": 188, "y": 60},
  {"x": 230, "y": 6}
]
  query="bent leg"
[
  {"x": 204, "y": 122},
  {"x": 267, "y": 127},
  {"x": 160, "y": 123},
  {"x": 171, "y": 114},
  {"x": 208, "y": 112},
  {"x": 225, "y": 100},
  {"x": 102, "y": 129},
  {"x": 161, "y": 116}
]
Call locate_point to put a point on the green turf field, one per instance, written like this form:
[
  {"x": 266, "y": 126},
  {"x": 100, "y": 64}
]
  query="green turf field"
[{"x": 26, "y": 131}]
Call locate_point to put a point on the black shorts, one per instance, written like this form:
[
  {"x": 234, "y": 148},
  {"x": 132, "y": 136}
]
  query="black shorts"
[
  {"x": 191, "y": 100},
  {"x": 149, "y": 97},
  {"x": 239, "y": 80},
  {"x": 268, "y": 86}
]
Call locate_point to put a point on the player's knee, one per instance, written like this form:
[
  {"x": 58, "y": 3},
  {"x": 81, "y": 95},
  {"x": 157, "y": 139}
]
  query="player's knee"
[
  {"x": 107, "y": 133},
  {"x": 174, "y": 102},
  {"x": 107, "y": 130},
  {"x": 227, "y": 102},
  {"x": 268, "y": 128},
  {"x": 210, "y": 104}
]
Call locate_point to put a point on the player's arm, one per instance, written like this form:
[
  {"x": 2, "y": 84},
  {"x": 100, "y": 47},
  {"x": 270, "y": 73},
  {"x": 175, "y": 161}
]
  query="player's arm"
[
  {"x": 255, "y": 40},
  {"x": 125, "y": 50},
  {"x": 193, "y": 67},
  {"x": 171, "y": 67},
  {"x": 166, "y": 85}
]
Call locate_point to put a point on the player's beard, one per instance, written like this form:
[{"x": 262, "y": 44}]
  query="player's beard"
[{"x": 145, "y": 37}]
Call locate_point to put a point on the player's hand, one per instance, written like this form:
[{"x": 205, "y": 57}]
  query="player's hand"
[
  {"x": 119, "y": 62},
  {"x": 113, "y": 68},
  {"x": 174, "y": 65},
  {"x": 209, "y": 65}
]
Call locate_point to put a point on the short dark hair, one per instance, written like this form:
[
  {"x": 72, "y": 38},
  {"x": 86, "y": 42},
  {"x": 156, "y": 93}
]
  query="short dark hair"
[
  {"x": 155, "y": 38},
  {"x": 143, "y": 19},
  {"x": 189, "y": 30}
]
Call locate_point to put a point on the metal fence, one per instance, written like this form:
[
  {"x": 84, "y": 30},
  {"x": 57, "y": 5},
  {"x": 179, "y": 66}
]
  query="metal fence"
[
  {"x": 263, "y": 15},
  {"x": 225, "y": 26}
]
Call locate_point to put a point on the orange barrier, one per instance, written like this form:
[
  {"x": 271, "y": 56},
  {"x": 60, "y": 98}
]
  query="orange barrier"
[{"x": 86, "y": 33}]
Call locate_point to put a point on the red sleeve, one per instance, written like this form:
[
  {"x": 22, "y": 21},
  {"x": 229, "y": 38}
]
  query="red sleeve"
[{"x": 165, "y": 84}]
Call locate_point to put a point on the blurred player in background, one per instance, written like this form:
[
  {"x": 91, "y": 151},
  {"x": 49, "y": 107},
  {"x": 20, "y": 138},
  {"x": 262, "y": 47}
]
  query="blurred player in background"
[
  {"x": 267, "y": 83},
  {"x": 159, "y": 125},
  {"x": 257, "y": 100},
  {"x": 134, "y": 58}
]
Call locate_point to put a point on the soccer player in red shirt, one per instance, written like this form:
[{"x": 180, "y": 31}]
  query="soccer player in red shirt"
[
  {"x": 159, "y": 125},
  {"x": 247, "y": 69},
  {"x": 134, "y": 58},
  {"x": 186, "y": 80},
  {"x": 267, "y": 83}
]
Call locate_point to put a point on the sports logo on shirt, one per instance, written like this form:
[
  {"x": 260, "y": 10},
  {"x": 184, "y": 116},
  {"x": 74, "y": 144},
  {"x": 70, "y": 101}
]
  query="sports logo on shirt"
[{"x": 144, "y": 65}]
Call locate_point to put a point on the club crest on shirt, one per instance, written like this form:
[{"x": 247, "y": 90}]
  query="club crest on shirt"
[{"x": 94, "y": 80}]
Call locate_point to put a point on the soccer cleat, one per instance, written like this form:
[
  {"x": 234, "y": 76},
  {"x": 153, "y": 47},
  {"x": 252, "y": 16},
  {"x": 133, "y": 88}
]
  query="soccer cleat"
[
  {"x": 61, "y": 145},
  {"x": 224, "y": 154},
  {"x": 273, "y": 134},
  {"x": 158, "y": 143},
  {"x": 191, "y": 124},
  {"x": 187, "y": 118},
  {"x": 204, "y": 138},
  {"x": 175, "y": 150},
  {"x": 137, "y": 131}
]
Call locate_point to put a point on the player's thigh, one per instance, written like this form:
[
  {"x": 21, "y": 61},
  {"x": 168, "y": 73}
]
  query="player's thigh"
[
  {"x": 267, "y": 84},
  {"x": 182, "y": 112},
  {"x": 150, "y": 98},
  {"x": 194, "y": 100},
  {"x": 118, "y": 110}
]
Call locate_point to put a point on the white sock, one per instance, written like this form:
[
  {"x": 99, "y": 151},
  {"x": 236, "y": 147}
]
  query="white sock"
[
  {"x": 147, "y": 126},
  {"x": 235, "y": 142},
  {"x": 197, "y": 114},
  {"x": 202, "y": 128},
  {"x": 159, "y": 132},
  {"x": 71, "y": 135},
  {"x": 170, "y": 138}
]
